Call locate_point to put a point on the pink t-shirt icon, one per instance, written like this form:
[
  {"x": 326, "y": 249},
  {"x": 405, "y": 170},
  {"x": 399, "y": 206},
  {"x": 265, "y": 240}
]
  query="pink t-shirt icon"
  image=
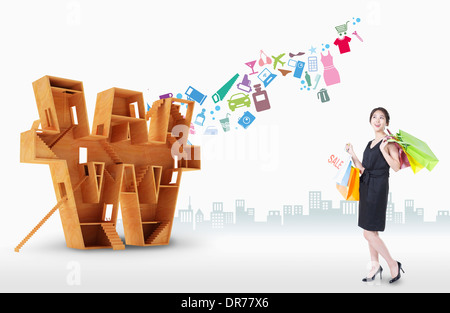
[{"x": 343, "y": 44}]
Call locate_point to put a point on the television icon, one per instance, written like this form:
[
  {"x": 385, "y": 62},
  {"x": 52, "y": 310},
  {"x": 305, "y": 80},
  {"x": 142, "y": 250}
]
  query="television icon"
[{"x": 194, "y": 94}]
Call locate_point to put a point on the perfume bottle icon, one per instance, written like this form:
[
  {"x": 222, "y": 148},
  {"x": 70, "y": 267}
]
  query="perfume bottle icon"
[
  {"x": 200, "y": 118},
  {"x": 260, "y": 99}
]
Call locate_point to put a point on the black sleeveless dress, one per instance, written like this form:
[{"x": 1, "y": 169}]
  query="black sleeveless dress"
[{"x": 373, "y": 190}]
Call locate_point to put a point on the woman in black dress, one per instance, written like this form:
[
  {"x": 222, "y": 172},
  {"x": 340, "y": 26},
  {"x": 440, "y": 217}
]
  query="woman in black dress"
[{"x": 379, "y": 156}]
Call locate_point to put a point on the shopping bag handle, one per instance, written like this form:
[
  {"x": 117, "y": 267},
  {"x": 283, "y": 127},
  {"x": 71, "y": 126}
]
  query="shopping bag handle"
[
  {"x": 396, "y": 138},
  {"x": 398, "y": 141}
]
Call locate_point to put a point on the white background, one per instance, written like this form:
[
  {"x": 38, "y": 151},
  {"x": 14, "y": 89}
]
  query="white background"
[{"x": 164, "y": 46}]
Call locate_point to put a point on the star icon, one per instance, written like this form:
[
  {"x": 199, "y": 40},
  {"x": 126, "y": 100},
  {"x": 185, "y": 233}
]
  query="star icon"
[{"x": 312, "y": 50}]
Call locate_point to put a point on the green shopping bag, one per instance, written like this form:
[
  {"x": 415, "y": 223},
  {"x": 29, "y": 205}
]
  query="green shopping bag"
[{"x": 416, "y": 149}]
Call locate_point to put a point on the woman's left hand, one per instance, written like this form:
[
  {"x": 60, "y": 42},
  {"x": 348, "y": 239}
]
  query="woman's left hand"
[{"x": 384, "y": 143}]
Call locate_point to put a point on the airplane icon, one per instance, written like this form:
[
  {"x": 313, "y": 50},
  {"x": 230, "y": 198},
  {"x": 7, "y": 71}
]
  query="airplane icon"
[{"x": 277, "y": 59}]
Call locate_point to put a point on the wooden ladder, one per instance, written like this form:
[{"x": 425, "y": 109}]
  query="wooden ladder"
[{"x": 53, "y": 210}]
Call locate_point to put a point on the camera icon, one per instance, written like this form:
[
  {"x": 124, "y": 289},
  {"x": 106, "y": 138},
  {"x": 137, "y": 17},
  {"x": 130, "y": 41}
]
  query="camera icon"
[{"x": 246, "y": 119}]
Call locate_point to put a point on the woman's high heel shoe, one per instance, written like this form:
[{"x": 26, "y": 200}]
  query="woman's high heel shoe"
[
  {"x": 379, "y": 271},
  {"x": 393, "y": 280}
]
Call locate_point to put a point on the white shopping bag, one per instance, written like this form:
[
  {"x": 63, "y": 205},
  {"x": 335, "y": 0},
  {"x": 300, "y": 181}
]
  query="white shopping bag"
[{"x": 343, "y": 167}]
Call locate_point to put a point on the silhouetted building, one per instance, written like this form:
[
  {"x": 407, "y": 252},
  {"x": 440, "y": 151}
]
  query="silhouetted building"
[
  {"x": 217, "y": 216},
  {"x": 398, "y": 218},
  {"x": 243, "y": 216},
  {"x": 443, "y": 217},
  {"x": 349, "y": 207},
  {"x": 199, "y": 218},
  {"x": 228, "y": 218},
  {"x": 185, "y": 218},
  {"x": 412, "y": 216},
  {"x": 390, "y": 210},
  {"x": 292, "y": 215},
  {"x": 321, "y": 213},
  {"x": 315, "y": 205},
  {"x": 274, "y": 218},
  {"x": 200, "y": 222}
]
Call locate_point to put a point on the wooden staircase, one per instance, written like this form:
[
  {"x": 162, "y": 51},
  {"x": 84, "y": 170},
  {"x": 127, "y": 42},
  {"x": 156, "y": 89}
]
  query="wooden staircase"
[
  {"x": 170, "y": 139},
  {"x": 44, "y": 150},
  {"x": 177, "y": 119},
  {"x": 153, "y": 109},
  {"x": 140, "y": 174},
  {"x": 113, "y": 237},
  {"x": 78, "y": 185},
  {"x": 155, "y": 235},
  {"x": 60, "y": 136},
  {"x": 176, "y": 115},
  {"x": 109, "y": 175},
  {"x": 112, "y": 154},
  {"x": 174, "y": 112}
]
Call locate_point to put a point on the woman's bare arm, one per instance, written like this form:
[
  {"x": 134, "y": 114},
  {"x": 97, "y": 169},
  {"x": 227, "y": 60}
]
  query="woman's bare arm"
[
  {"x": 390, "y": 153},
  {"x": 356, "y": 161}
]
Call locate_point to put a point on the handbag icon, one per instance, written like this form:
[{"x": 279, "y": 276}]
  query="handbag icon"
[{"x": 323, "y": 94}]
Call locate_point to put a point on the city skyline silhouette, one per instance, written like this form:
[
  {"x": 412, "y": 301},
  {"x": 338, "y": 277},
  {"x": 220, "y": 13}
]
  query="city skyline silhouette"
[{"x": 321, "y": 213}]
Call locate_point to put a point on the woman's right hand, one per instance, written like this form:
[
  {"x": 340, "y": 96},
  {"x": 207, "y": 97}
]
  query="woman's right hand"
[
  {"x": 357, "y": 163},
  {"x": 349, "y": 149}
]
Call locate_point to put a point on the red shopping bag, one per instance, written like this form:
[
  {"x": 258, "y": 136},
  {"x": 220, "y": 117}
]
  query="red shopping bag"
[{"x": 402, "y": 155}]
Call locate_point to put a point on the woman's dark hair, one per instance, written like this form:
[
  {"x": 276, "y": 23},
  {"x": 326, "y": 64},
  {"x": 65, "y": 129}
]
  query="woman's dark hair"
[{"x": 385, "y": 112}]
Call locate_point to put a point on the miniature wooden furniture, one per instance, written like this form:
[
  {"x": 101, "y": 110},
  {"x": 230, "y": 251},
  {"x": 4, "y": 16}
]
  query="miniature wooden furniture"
[{"x": 122, "y": 161}]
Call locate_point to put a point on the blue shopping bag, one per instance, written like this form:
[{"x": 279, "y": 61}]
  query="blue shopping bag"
[{"x": 344, "y": 181}]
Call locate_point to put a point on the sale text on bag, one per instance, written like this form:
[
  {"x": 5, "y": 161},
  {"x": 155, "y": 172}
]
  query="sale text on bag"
[{"x": 335, "y": 161}]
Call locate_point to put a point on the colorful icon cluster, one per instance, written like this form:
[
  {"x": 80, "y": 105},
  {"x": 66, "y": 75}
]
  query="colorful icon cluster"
[{"x": 266, "y": 76}]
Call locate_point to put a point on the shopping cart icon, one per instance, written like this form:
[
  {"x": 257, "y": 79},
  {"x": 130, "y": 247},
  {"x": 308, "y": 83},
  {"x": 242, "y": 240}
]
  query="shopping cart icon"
[{"x": 342, "y": 28}]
